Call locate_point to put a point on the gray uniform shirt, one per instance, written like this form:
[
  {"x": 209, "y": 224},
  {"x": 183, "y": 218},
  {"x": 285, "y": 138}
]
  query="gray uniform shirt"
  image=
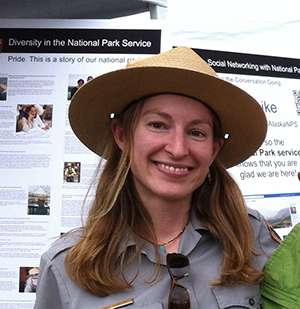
[{"x": 56, "y": 290}]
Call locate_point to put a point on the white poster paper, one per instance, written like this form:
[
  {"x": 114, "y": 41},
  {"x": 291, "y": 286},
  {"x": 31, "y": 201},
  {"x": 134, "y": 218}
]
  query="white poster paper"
[{"x": 46, "y": 171}]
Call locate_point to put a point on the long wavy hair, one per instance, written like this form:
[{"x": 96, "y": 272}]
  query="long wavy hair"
[
  {"x": 95, "y": 262},
  {"x": 27, "y": 110}
]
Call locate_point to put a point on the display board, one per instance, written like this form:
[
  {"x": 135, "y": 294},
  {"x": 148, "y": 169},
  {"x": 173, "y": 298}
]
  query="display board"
[
  {"x": 269, "y": 179},
  {"x": 46, "y": 171}
]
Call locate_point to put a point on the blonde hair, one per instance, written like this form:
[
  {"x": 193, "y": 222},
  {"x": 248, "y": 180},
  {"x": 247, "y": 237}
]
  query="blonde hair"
[
  {"x": 222, "y": 210},
  {"x": 94, "y": 262}
]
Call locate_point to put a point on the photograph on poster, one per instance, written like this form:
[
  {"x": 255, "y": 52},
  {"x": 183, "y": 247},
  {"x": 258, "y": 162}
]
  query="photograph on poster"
[
  {"x": 39, "y": 200},
  {"x": 296, "y": 94},
  {"x": 276, "y": 210},
  {"x": 72, "y": 171},
  {"x": 280, "y": 210},
  {"x": 28, "y": 279},
  {"x": 75, "y": 82},
  {"x": 3, "y": 88},
  {"x": 34, "y": 117},
  {"x": 293, "y": 210}
]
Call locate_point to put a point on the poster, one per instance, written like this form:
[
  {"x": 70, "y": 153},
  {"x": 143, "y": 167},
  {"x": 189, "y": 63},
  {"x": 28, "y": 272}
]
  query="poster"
[
  {"x": 269, "y": 179},
  {"x": 46, "y": 171}
]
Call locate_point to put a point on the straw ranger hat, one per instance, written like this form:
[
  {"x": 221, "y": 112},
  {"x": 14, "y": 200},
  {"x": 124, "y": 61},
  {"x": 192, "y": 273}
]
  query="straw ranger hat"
[
  {"x": 33, "y": 271},
  {"x": 178, "y": 71}
]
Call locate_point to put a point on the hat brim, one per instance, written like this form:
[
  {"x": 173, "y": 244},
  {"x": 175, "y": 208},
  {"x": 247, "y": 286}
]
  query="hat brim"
[{"x": 240, "y": 115}]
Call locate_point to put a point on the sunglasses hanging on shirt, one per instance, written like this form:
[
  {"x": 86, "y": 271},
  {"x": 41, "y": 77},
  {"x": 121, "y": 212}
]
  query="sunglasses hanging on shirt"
[{"x": 178, "y": 267}]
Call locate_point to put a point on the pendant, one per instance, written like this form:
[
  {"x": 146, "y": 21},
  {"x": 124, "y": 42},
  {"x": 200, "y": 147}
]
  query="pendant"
[{"x": 162, "y": 249}]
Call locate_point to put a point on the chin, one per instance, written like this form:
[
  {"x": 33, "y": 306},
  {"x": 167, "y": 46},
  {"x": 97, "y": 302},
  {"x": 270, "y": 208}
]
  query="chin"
[{"x": 176, "y": 196}]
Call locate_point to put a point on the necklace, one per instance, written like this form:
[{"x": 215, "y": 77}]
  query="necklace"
[{"x": 162, "y": 246}]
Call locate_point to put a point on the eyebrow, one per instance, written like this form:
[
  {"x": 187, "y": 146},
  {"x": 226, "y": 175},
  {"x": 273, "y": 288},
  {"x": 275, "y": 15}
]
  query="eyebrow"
[{"x": 169, "y": 117}]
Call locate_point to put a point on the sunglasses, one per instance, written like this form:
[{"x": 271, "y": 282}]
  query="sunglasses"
[{"x": 178, "y": 267}]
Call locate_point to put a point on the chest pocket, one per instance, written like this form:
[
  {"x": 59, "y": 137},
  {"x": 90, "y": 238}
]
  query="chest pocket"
[{"x": 238, "y": 297}]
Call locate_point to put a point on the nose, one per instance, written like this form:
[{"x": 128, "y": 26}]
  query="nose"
[{"x": 177, "y": 145}]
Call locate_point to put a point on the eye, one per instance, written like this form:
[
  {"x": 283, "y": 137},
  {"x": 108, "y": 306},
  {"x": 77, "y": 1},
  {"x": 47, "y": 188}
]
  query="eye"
[
  {"x": 156, "y": 125},
  {"x": 197, "y": 133}
]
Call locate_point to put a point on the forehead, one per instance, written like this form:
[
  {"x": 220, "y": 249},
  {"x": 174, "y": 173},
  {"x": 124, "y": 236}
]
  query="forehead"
[{"x": 177, "y": 105}]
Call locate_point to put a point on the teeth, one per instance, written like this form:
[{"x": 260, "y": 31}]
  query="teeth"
[{"x": 172, "y": 168}]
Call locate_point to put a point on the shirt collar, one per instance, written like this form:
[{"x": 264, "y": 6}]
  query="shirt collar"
[{"x": 189, "y": 239}]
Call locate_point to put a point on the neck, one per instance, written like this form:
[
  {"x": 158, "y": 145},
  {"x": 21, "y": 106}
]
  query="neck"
[{"x": 169, "y": 219}]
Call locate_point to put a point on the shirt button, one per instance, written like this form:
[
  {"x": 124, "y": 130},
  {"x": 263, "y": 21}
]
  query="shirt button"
[{"x": 251, "y": 301}]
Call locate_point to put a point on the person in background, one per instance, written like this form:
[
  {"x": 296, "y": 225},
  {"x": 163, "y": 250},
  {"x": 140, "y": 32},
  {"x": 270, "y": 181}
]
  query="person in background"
[
  {"x": 80, "y": 83},
  {"x": 31, "y": 119},
  {"x": 168, "y": 226},
  {"x": 31, "y": 282},
  {"x": 41, "y": 209},
  {"x": 70, "y": 173}
]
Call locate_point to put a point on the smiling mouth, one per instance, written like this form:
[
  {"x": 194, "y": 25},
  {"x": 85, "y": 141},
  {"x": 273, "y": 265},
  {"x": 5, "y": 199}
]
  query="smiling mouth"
[{"x": 172, "y": 168}]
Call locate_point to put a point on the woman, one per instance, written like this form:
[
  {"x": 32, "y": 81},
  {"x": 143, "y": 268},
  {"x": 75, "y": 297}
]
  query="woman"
[
  {"x": 32, "y": 120},
  {"x": 168, "y": 227},
  {"x": 30, "y": 286}
]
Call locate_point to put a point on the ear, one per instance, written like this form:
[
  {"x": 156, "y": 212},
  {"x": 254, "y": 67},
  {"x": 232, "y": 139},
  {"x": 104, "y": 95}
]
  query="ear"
[
  {"x": 117, "y": 131},
  {"x": 216, "y": 147}
]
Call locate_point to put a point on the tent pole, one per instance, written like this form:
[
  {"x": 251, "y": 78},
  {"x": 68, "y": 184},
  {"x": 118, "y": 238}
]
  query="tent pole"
[{"x": 157, "y": 11}]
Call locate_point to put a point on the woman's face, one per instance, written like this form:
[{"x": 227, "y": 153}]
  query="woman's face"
[
  {"x": 32, "y": 112},
  {"x": 173, "y": 147}
]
